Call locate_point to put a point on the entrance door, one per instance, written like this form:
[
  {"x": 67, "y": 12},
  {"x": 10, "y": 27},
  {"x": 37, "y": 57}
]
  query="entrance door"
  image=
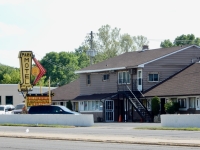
[
  {"x": 162, "y": 106},
  {"x": 139, "y": 80},
  {"x": 109, "y": 110}
]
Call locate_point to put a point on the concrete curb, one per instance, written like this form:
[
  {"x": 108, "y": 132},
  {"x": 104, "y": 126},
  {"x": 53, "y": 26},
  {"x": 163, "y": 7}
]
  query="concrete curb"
[{"x": 134, "y": 141}]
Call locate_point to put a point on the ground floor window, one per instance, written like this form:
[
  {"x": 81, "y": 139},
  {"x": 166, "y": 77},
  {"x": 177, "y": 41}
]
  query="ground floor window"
[
  {"x": 91, "y": 106},
  {"x": 182, "y": 102},
  {"x": 198, "y": 101},
  {"x": 192, "y": 102},
  {"x": 9, "y": 100},
  {"x": 149, "y": 104}
]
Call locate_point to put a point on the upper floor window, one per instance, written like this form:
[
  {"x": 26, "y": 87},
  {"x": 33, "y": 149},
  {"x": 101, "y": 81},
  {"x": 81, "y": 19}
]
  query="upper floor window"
[
  {"x": 88, "y": 79},
  {"x": 124, "y": 77},
  {"x": 153, "y": 77},
  {"x": 106, "y": 77}
]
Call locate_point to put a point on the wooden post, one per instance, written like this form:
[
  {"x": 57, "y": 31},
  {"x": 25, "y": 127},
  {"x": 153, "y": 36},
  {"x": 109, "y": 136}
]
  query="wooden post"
[{"x": 49, "y": 92}]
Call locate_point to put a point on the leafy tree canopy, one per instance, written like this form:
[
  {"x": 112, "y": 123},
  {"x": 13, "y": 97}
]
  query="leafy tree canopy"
[
  {"x": 9, "y": 75},
  {"x": 60, "y": 67},
  {"x": 108, "y": 42},
  {"x": 181, "y": 40}
]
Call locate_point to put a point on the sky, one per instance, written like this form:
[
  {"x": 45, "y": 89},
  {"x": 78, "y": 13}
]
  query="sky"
[{"x": 44, "y": 26}]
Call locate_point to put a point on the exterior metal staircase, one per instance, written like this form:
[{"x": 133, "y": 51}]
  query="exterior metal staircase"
[{"x": 137, "y": 104}]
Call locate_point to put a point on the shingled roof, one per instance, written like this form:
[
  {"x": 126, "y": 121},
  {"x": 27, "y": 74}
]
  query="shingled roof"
[
  {"x": 185, "y": 83},
  {"x": 67, "y": 92},
  {"x": 132, "y": 59}
]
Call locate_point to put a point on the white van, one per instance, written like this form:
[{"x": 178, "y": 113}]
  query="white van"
[{"x": 6, "y": 109}]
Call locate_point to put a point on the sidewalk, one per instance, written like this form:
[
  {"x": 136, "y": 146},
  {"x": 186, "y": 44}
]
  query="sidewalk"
[{"x": 107, "y": 139}]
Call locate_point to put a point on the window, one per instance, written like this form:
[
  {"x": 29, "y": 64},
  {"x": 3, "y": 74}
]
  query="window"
[
  {"x": 153, "y": 77},
  {"x": 9, "y": 100},
  {"x": 106, "y": 77},
  {"x": 192, "y": 102},
  {"x": 85, "y": 105},
  {"x": 124, "y": 77},
  {"x": 91, "y": 106},
  {"x": 197, "y": 102},
  {"x": 88, "y": 79},
  {"x": 182, "y": 102},
  {"x": 0, "y": 100}
]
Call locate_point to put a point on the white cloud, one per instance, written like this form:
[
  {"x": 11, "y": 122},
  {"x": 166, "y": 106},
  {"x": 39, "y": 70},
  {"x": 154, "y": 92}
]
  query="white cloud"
[{"x": 9, "y": 30}]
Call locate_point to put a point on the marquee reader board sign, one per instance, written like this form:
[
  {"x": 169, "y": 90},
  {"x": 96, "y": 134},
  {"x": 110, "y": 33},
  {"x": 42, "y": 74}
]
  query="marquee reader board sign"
[{"x": 38, "y": 99}]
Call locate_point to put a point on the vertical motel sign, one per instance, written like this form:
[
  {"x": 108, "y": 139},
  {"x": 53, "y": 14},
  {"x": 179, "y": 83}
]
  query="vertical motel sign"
[{"x": 25, "y": 61}]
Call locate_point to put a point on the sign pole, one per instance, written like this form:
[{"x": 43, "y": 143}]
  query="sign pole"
[{"x": 49, "y": 92}]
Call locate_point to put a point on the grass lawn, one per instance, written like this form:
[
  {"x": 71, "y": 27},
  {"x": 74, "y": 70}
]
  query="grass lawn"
[{"x": 169, "y": 128}]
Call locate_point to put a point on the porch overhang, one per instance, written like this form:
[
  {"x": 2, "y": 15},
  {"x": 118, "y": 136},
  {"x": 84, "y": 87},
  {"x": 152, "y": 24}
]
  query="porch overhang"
[
  {"x": 95, "y": 96},
  {"x": 100, "y": 70}
]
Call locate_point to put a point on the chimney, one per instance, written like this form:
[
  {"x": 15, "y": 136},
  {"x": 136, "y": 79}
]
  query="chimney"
[{"x": 145, "y": 47}]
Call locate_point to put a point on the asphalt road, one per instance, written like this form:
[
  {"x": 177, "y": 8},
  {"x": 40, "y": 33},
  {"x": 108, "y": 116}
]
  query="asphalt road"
[
  {"x": 109, "y": 129},
  {"x": 41, "y": 144}
]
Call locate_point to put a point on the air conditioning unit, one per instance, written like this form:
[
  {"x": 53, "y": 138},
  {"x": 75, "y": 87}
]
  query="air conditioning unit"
[{"x": 133, "y": 71}]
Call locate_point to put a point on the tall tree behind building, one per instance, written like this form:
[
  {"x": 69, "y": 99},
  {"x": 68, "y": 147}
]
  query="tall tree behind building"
[{"x": 181, "y": 40}]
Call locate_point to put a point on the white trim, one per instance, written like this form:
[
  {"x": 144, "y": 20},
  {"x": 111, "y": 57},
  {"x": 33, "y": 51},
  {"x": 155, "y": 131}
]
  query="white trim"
[
  {"x": 142, "y": 65},
  {"x": 138, "y": 66},
  {"x": 99, "y": 70}
]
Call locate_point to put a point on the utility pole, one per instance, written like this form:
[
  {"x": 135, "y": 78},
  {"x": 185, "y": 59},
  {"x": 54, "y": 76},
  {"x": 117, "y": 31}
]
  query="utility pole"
[{"x": 91, "y": 53}]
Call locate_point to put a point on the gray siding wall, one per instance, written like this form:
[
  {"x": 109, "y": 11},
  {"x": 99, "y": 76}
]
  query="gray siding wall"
[
  {"x": 169, "y": 65},
  {"x": 97, "y": 85}
]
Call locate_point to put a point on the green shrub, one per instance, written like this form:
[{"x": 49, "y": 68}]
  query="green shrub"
[
  {"x": 155, "y": 105},
  {"x": 171, "y": 107},
  {"x": 69, "y": 105}
]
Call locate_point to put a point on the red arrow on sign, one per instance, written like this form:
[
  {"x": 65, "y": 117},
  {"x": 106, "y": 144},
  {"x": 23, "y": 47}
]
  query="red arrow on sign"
[{"x": 42, "y": 71}]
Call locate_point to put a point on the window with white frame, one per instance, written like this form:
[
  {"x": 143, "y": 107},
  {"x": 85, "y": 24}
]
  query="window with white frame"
[
  {"x": 153, "y": 77},
  {"x": 149, "y": 104},
  {"x": 106, "y": 77},
  {"x": 91, "y": 106},
  {"x": 182, "y": 102},
  {"x": 198, "y": 105},
  {"x": 192, "y": 102},
  {"x": 88, "y": 79},
  {"x": 124, "y": 77},
  {"x": 174, "y": 99}
]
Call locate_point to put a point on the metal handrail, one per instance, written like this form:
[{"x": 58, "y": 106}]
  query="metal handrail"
[{"x": 134, "y": 96}]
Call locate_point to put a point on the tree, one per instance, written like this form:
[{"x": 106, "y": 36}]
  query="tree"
[
  {"x": 69, "y": 105},
  {"x": 171, "y": 107},
  {"x": 139, "y": 41},
  {"x": 127, "y": 43},
  {"x": 155, "y": 105},
  {"x": 166, "y": 43},
  {"x": 181, "y": 40},
  {"x": 108, "y": 42},
  {"x": 83, "y": 59},
  {"x": 60, "y": 67},
  {"x": 186, "y": 39},
  {"x": 9, "y": 75}
]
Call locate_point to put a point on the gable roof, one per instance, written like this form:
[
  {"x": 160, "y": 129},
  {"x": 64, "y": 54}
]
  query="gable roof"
[
  {"x": 132, "y": 59},
  {"x": 185, "y": 83},
  {"x": 67, "y": 92}
]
